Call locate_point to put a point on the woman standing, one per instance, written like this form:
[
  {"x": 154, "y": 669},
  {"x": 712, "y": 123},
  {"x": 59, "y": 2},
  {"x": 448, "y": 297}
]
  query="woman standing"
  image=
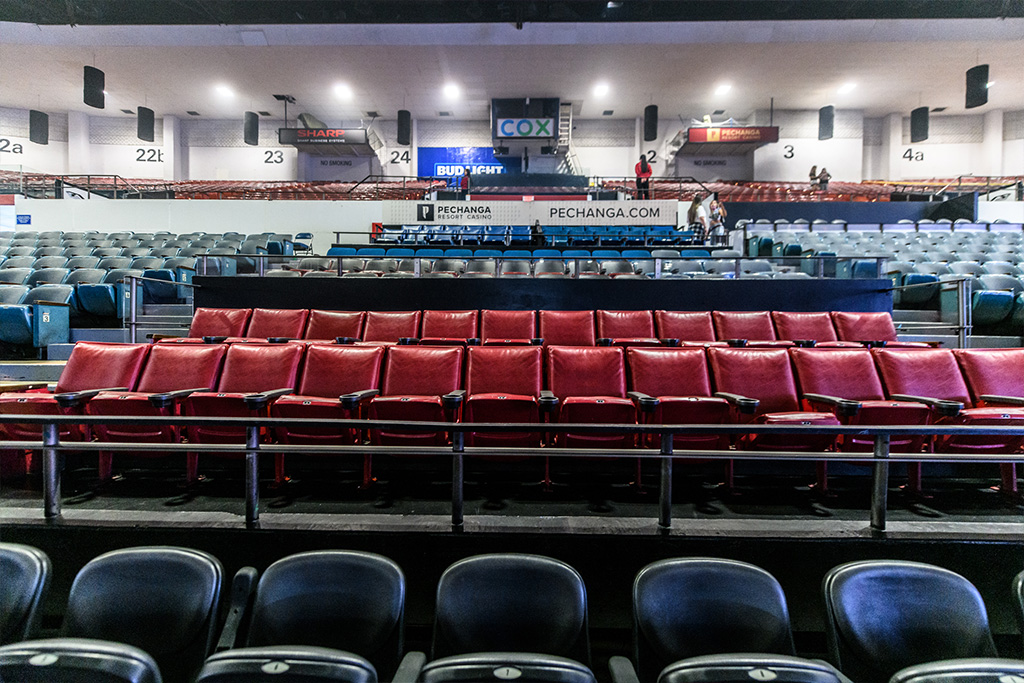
[
  {"x": 643, "y": 178},
  {"x": 717, "y": 219},
  {"x": 813, "y": 175}
]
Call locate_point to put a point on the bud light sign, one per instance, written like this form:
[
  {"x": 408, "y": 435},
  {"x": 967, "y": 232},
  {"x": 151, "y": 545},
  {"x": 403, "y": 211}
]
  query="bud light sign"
[{"x": 452, "y": 162}]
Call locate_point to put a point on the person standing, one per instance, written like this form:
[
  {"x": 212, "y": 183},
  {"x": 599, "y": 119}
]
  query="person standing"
[
  {"x": 464, "y": 182},
  {"x": 813, "y": 176},
  {"x": 823, "y": 179},
  {"x": 697, "y": 218},
  {"x": 643, "y": 178},
  {"x": 717, "y": 221}
]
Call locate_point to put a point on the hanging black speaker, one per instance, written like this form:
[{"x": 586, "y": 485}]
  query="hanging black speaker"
[
  {"x": 38, "y": 127},
  {"x": 919, "y": 124},
  {"x": 92, "y": 93},
  {"x": 145, "y": 127},
  {"x": 650, "y": 122},
  {"x": 977, "y": 86},
  {"x": 404, "y": 127},
  {"x": 826, "y": 122},
  {"x": 252, "y": 128}
]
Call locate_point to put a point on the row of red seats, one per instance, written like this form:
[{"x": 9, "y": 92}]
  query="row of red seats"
[
  {"x": 564, "y": 328},
  {"x": 530, "y": 384}
]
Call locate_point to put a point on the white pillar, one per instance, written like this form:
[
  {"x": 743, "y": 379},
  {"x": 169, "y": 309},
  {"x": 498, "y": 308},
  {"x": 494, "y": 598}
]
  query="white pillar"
[
  {"x": 992, "y": 144},
  {"x": 892, "y": 144},
  {"x": 174, "y": 164},
  {"x": 79, "y": 149}
]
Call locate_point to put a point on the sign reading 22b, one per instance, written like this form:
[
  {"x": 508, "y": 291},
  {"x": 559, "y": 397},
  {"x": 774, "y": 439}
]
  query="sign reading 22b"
[{"x": 525, "y": 128}]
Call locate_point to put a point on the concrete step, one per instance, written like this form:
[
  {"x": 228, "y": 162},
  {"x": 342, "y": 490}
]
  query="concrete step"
[
  {"x": 31, "y": 370},
  {"x": 915, "y": 316},
  {"x": 101, "y": 334},
  {"x": 184, "y": 310}
]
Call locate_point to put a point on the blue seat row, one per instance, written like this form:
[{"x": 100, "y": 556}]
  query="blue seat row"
[{"x": 554, "y": 235}]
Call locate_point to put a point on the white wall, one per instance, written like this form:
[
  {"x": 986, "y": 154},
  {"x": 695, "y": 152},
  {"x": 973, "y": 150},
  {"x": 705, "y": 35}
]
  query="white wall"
[
  {"x": 315, "y": 167},
  {"x": 740, "y": 167},
  {"x": 1013, "y": 157},
  {"x": 615, "y": 162},
  {"x": 791, "y": 159},
  {"x": 924, "y": 160},
  {"x": 243, "y": 163},
  {"x": 50, "y": 158},
  {"x": 1008, "y": 211},
  {"x": 247, "y": 216}
]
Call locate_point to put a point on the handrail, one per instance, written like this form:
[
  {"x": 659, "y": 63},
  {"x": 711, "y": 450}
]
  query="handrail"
[{"x": 881, "y": 455}]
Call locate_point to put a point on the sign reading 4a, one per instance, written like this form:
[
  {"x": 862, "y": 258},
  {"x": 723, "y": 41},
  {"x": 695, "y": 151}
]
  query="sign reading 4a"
[{"x": 525, "y": 128}]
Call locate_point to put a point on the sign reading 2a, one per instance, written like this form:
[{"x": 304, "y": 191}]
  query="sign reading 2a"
[{"x": 525, "y": 128}]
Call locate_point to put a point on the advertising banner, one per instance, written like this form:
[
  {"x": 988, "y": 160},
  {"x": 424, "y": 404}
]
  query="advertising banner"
[
  {"x": 452, "y": 162},
  {"x": 644, "y": 212},
  {"x": 739, "y": 134}
]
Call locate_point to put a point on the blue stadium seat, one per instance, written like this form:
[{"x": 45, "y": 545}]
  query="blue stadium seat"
[
  {"x": 341, "y": 251},
  {"x": 558, "y": 235},
  {"x": 471, "y": 234},
  {"x": 495, "y": 234},
  {"x": 108, "y": 298},
  {"x": 370, "y": 252},
  {"x": 42, "y": 318},
  {"x": 12, "y": 294},
  {"x": 519, "y": 234},
  {"x": 458, "y": 253}
]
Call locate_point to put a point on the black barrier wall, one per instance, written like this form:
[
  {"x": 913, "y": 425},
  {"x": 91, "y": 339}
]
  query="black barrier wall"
[{"x": 386, "y": 294}]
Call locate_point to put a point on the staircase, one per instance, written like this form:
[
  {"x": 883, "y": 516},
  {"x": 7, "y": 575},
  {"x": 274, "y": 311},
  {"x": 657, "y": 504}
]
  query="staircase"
[{"x": 570, "y": 162}]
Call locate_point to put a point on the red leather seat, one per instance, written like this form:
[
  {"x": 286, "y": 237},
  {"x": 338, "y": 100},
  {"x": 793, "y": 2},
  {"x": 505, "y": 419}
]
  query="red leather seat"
[
  {"x": 508, "y": 327},
  {"x": 590, "y": 384},
  {"x": 691, "y": 328},
  {"x": 171, "y": 370},
  {"x": 626, "y": 328},
  {"x": 390, "y": 326},
  {"x": 754, "y": 326},
  {"x": 419, "y": 384},
  {"x": 336, "y": 383},
  {"x": 503, "y": 384},
  {"x": 330, "y": 325},
  {"x": 567, "y": 328},
  {"x": 869, "y": 327},
  {"x": 286, "y": 323},
  {"x": 793, "y": 326},
  {"x": 219, "y": 322},
  {"x": 449, "y": 327}
]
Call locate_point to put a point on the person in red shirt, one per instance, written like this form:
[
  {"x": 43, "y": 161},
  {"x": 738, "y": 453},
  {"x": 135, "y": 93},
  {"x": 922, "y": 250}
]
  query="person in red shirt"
[
  {"x": 643, "y": 178},
  {"x": 464, "y": 181}
]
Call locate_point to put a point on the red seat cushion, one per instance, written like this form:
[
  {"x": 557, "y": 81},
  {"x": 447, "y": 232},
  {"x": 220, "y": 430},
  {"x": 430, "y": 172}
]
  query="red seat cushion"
[
  {"x": 219, "y": 322},
  {"x": 334, "y": 324},
  {"x": 277, "y": 322},
  {"x": 390, "y": 326},
  {"x": 693, "y": 326},
  {"x": 567, "y": 328},
  {"x": 511, "y": 325},
  {"x": 792, "y": 325}
]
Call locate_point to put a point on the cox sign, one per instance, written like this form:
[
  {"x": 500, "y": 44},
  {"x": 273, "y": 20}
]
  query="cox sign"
[{"x": 525, "y": 128}]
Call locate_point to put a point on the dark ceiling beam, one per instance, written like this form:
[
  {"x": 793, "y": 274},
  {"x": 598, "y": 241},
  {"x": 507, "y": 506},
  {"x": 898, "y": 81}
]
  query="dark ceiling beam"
[{"x": 126, "y": 12}]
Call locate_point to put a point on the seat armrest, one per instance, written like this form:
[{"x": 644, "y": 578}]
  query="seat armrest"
[
  {"x": 547, "y": 401},
  {"x": 622, "y": 670},
  {"x": 669, "y": 341},
  {"x": 604, "y": 341},
  {"x": 214, "y": 340},
  {"x": 73, "y": 399},
  {"x": 943, "y": 408},
  {"x": 351, "y": 401},
  {"x": 804, "y": 343},
  {"x": 645, "y": 402},
  {"x": 843, "y": 407},
  {"x": 452, "y": 400},
  {"x": 741, "y": 403},
  {"x": 158, "y": 337},
  {"x": 18, "y": 387},
  {"x": 537, "y": 341},
  {"x": 260, "y": 400},
  {"x": 279, "y": 340},
  {"x": 166, "y": 399},
  {"x": 872, "y": 344},
  {"x": 243, "y": 587},
  {"x": 346, "y": 340},
  {"x": 408, "y": 341},
  {"x": 1003, "y": 400},
  {"x": 409, "y": 669},
  {"x": 473, "y": 341},
  {"x": 736, "y": 343}
]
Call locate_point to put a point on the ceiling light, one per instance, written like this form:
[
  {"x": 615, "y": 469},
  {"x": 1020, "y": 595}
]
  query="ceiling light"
[
  {"x": 343, "y": 91},
  {"x": 224, "y": 91},
  {"x": 601, "y": 89},
  {"x": 847, "y": 88},
  {"x": 106, "y": 93},
  {"x": 723, "y": 89},
  {"x": 987, "y": 85},
  {"x": 451, "y": 91}
]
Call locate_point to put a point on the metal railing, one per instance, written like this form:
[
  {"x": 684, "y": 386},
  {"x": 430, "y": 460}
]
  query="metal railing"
[
  {"x": 880, "y": 457},
  {"x": 134, "y": 300}
]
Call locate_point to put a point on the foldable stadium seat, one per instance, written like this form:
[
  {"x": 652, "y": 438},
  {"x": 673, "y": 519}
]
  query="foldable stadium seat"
[
  {"x": 870, "y": 328},
  {"x": 503, "y": 384},
  {"x": 42, "y": 318},
  {"x": 110, "y": 297},
  {"x": 933, "y": 377},
  {"x": 47, "y": 276},
  {"x": 450, "y": 327},
  {"x": 76, "y": 659},
  {"x": 816, "y": 327},
  {"x": 886, "y": 615},
  {"x": 524, "y": 611},
  {"x": 547, "y": 267},
  {"x": 746, "y": 328},
  {"x": 481, "y": 268},
  {"x": 172, "y": 613},
  {"x": 766, "y": 377},
  {"x": 590, "y": 385},
  {"x": 691, "y": 328},
  {"x": 14, "y": 261},
  {"x": 26, "y": 571},
  {"x": 420, "y": 384},
  {"x": 449, "y": 265},
  {"x": 672, "y": 386},
  {"x": 390, "y": 326},
  {"x": 15, "y": 276},
  {"x": 12, "y": 294},
  {"x": 277, "y": 323},
  {"x": 972, "y": 670},
  {"x": 515, "y": 268},
  {"x": 846, "y": 382},
  {"x": 380, "y": 266},
  {"x": 253, "y": 376},
  {"x": 328, "y": 325},
  {"x": 567, "y": 328},
  {"x": 83, "y": 262},
  {"x": 49, "y": 262},
  {"x": 48, "y": 251},
  {"x": 626, "y": 328},
  {"x": 320, "y": 611},
  {"x": 692, "y": 622},
  {"x": 508, "y": 327}
]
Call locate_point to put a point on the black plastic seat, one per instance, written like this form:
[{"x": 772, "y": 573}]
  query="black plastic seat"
[
  {"x": 26, "y": 578},
  {"x": 76, "y": 660},
  {"x": 740, "y": 668},
  {"x": 963, "y": 671},
  {"x": 161, "y": 599},
  {"x": 286, "y": 664},
  {"x": 519, "y": 666},
  {"x": 887, "y": 615}
]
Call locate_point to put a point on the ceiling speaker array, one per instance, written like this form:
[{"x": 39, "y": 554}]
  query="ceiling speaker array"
[
  {"x": 650, "y": 122},
  {"x": 92, "y": 93},
  {"x": 38, "y": 127},
  {"x": 251, "y": 128},
  {"x": 977, "y": 86},
  {"x": 919, "y": 124},
  {"x": 826, "y": 122},
  {"x": 145, "y": 125}
]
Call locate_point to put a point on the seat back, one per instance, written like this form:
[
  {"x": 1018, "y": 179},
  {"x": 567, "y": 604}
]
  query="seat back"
[
  {"x": 390, "y": 326},
  {"x": 504, "y": 369},
  {"x": 885, "y": 615},
  {"x": 172, "y": 610},
  {"x": 12, "y": 294},
  {"x": 753, "y": 325},
  {"x": 922, "y": 372},
  {"x": 852, "y": 326},
  {"x": 26, "y": 578},
  {"x": 668, "y": 371},
  {"x": 305, "y": 664},
  {"x": 685, "y": 325},
  {"x": 576, "y": 371},
  {"x": 701, "y": 606},
  {"x": 333, "y": 324},
  {"x": 220, "y": 322},
  {"x": 76, "y": 660},
  {"x": 997, "y": 372},
  {"x": 422, "y": 370},
  {"x": 60, "y": 294},
  {"x": 792, "y": 325},
  {"x": 511, "y": 603},
  {"x": 181, "y": 366},
  {"x": 99, "y": 365},
  {"x": 567, "y": 328},
  {"x": 331, "y": 371},
  {"x": 277, "y": 322},
  {"x": 450, "y": 324},
  {"x": 345, "y": 600},
  {"x": 507, "y": 325},
  {"x": 624, "y": 324},
  {"x": 845, "y": 373},
  {"x": 764, "y": 374},
  {"x": 260, "y": 367}
]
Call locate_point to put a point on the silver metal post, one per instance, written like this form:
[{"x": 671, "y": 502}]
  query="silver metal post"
[
  {"x": 261, "y": 265},
  {"x": 51, "y": 471},
  {"x": 657, "y": 269},
  {"x": 133, "y": 323},
  {"x": 252, "y": 470},
  {"x": 665, "y": 494},
  {"x": 963, "y": 312},
  {"x": 458, "y": 441},
  {"x": 880, "y": 484}
]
